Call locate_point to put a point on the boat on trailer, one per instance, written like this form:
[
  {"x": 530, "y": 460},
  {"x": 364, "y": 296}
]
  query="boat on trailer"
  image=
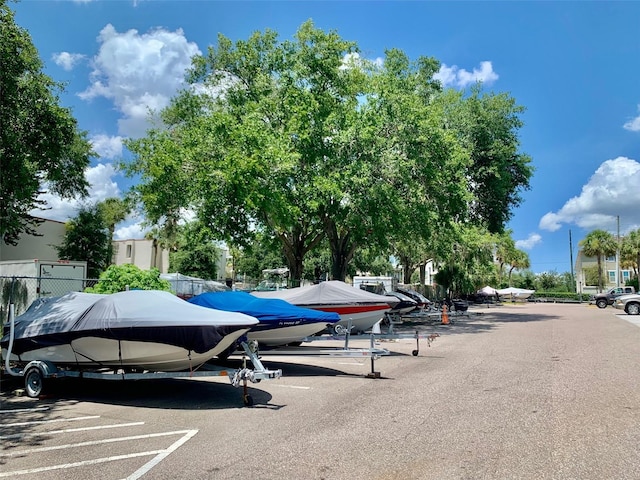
[
  {"x": 133, "y": 330},
  {"x": 280, "y": 322},
  {"x": 358, "y": 309}
]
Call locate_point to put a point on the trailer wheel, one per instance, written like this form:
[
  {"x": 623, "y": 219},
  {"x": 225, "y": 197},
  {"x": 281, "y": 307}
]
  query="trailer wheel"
[
  {"x": 248, "y": 401},
  {"x": 414, "y": 353},
  {"x": 34, "y": 382}
]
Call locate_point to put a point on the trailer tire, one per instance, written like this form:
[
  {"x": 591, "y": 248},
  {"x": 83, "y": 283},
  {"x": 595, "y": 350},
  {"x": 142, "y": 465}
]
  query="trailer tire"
[
  {"x": 34, "y": 382},
  {"x": 248, "y": 401}
]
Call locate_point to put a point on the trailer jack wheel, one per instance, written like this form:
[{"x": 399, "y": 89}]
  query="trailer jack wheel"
[
  {"x": 34, "y": 382},
  {"x": 414, "y": 353},
  {"x": 248, "y": 401}
]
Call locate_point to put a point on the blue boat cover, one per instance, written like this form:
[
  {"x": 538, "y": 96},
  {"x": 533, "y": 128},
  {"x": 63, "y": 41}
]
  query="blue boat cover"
[{"x": 266, "y": 310}]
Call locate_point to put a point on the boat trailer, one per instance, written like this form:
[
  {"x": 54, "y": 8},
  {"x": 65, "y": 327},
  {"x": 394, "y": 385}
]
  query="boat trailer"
[
  {"x": 373, "y": 352},
  {"x": 37, "y": 373}
]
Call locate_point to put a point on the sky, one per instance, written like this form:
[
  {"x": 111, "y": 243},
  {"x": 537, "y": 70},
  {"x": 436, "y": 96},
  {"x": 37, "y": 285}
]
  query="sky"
[{"x": 574, "y": 67}]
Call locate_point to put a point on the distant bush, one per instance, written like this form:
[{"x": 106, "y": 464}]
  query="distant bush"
[
  {"x": 559, "y": 296},
  {"x": 118, "y": 278}
]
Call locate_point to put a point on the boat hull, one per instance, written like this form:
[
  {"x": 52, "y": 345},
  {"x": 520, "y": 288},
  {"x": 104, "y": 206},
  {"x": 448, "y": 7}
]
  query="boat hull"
[
  {"x": 97, "y": 352},
  {"x": 359, "y": 317},
  {"x": 273, "y": 337}
]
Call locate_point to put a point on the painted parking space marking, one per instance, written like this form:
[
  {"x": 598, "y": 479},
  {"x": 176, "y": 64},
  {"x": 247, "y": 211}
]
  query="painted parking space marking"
[
  {"x": 71, "y": 430},
  {"x": 94, "y": 442},
  {"x": 23, "y": 410},
  {"x": 158, "y": 455},
  {"x": 55, "y": 420}
]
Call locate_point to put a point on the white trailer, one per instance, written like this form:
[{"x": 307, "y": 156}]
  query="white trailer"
[{"x": 34, "y": 278}]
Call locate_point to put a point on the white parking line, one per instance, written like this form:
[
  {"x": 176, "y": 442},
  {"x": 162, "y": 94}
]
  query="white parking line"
[
  {"x": 159, "y": 456},
  {"x": 22, "y": 410},
  {"x": 95, "y": 442},
  {"x": 634, "y": 319},
  {"x": 153, "y": 462},
  {"x": 69, "y": 430},
  {"x": 292, "y": 386},
  {"x": 79, "y": 464},
  {"x": 55, "y": 420}
]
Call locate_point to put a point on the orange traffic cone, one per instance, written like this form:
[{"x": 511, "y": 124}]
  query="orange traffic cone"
[{"x": 445, "y": 316}]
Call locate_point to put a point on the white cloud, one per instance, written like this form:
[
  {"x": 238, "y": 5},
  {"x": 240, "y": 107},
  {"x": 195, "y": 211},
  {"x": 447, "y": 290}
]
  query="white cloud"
[
  {"x": 612, "y": 191},
  {"x": 139, "y": 73},
  {"x": 101, "y": 187},
  {"x": 106, "y": 146},
  {"x": 453, "y": 76},
  {"x": 633, "y": 124},
  {"x": 531, "y": 241},
  {"x": 131, "y": 231},
  {"x": 67, "y": 60}
]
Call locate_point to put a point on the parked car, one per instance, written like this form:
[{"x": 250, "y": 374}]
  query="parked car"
[
  {"x": 628, "y": 303},
  {"x": 607, "y": 298}
]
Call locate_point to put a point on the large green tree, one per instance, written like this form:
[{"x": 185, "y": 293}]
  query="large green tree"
[
  {"x": 197, "y": 254},
  {"x": 41, "y": 147},
  {"x": 600, "y": 244},
  {"x": 87, "y": 238}
]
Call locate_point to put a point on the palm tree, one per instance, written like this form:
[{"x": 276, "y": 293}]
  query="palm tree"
[
  {"x": 113, "y": 211},
  {"x": 519, "y": 261},
  {"x": 599, "y": 244},
  {"x": 631, "y": 251}
]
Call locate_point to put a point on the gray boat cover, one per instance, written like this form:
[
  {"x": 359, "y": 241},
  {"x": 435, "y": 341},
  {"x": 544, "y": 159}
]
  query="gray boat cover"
[
  {"x": 333, "y": 292},
  {"x": 136, "y": 315}
]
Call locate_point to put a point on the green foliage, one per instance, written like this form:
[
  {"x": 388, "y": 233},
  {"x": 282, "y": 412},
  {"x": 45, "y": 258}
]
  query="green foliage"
[
  {"x": 599, "y": 244},
  {"x": 40, "y": 145},
  {"x": 264, "y": 252},
  {"x": 630, "y": 251},
  {"x": 591, "y": 275},
  {"x": 87, "y": 238},
  {"x": 196, "y": 254},
  {"x": 306, "y": 141},
  {"x": 118, "y": 278},
  {"x": 560, "y": 296}
]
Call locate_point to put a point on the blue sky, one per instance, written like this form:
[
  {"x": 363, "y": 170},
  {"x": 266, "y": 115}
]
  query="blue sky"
[{"x": 574, "y": 66}]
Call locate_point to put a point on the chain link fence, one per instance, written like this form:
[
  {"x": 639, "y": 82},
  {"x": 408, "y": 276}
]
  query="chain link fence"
[{"x": 22, "y": 291}]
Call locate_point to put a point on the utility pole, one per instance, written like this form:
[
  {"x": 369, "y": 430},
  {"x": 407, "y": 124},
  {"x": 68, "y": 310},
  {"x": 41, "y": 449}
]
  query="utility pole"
[
  {"x": 573, "y": 280},
  {"x": 618, "y": 254}
]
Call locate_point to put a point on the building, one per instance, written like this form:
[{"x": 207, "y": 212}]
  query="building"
[
  {"x": 144, "y": 254},
  {"x": 611, "y": 277},
  {"x": 40, "y": 246}
]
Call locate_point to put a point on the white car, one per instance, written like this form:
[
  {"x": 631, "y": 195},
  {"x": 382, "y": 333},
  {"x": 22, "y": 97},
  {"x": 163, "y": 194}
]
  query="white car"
[{"x": 628, "y": 303}]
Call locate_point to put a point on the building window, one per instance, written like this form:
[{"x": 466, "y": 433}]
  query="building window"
[
  {"x": 611, "y": 259},
  {"x": 612, "y": 276},
  {"x": 129, "y": 251},
  {"x": 626, "y": 276}
]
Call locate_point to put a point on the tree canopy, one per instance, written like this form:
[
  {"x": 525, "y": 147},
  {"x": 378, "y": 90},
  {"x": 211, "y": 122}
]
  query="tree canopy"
[
  {"x": 87, "y": 238},
  {"x": 599, "y": 244},
  {"x": 306, "y": 141},
  {"x": 40, "y": 145}
]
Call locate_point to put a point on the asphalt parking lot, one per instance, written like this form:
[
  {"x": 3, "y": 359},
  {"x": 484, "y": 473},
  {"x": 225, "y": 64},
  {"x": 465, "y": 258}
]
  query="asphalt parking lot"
[{"x": 534, "y": 391}]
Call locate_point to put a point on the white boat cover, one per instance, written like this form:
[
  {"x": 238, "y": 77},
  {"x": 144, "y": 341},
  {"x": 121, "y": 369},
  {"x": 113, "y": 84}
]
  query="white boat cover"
[
  {"x": 333, "y": 292},
  {"x": 141, "y": 315},
  {"x": 515, "y": 292},
  {"x": 186, "y": 286},
  {"x": 487, "y": 291}
]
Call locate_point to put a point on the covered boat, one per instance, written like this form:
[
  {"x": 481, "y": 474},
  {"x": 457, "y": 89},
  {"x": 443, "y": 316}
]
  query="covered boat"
[
  {"x": 514, "y": 293},
  {"x": 280, "y": 322},
  {"x": 138, "y": 329},
  {"x": 359, "y": 308}
]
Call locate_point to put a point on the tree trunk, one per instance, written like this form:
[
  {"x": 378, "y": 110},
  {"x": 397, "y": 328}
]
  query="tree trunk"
[
  {"x": 423, "y": 274},
  {"x": 342, "y": 250},
  {"x": 599, "y": 273},
  {"x": 295, "y": 246}
]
